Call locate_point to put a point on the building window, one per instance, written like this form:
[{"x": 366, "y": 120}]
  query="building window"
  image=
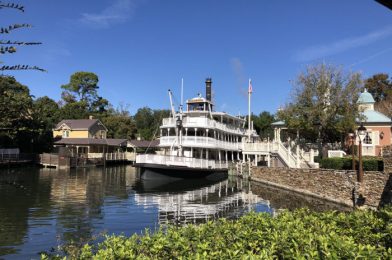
[
  {"x": 367, "y": 139},
  {"x": 65, "y": 133}
]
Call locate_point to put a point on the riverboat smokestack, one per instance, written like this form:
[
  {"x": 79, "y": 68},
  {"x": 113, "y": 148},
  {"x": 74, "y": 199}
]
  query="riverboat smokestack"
[{"x": 208, "y": 89}]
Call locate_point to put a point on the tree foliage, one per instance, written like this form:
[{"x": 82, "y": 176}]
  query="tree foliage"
[
  {"x": 82, "y": 93},
  {"x": 323, "y": 102},
  {"x": 120, "y": 124},
  {"x": 8, "y": 46},
  {"x": 148, "y": 121},
  {"x": 47, "y": 111},
  {"x": 380, "y": 86},
  {"x": 15, "y": 110},
  {"x": 262, "y": 124}
]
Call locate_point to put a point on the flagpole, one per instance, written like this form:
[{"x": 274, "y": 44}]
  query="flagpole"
[{"x": 249, "y": 93}]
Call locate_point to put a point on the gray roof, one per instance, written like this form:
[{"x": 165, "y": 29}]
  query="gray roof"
[
  {"x": 144, "y": 143},
  {"x": 372, "y": 116},
  {"x": 92, "y": 141},
  {"x": 80, "y": 124}
]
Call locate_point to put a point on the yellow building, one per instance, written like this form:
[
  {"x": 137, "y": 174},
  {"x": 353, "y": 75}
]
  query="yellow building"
[
  {"x": 86, "y": 137},
  {"x": 80, "y": 128}
]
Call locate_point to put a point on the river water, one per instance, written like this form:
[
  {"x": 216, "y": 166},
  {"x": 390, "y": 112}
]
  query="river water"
[{"x": 42, "y": 209}]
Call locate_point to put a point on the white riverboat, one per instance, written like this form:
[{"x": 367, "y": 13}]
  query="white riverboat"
[{"x": 198, "y": 140}]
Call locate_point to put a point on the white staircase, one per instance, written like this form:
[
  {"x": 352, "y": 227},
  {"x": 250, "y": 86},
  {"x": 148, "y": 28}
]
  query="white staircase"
[{"x": 291, "y": 156}]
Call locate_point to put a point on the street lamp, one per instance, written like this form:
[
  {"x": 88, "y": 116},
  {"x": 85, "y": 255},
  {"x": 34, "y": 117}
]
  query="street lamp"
[
  {"x": 361, "y": 133},
  {"x": 352, "y": 137}
]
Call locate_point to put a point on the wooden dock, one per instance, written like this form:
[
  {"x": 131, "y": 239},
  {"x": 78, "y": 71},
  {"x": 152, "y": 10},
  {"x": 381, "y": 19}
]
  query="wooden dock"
[
  {"x": 16, "y": 159},
  {"x": 63, "y": 161}
]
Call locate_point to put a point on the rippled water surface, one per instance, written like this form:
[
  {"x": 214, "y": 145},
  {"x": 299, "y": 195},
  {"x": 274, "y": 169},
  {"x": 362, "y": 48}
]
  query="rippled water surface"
[{"x": 41, "y": 209}]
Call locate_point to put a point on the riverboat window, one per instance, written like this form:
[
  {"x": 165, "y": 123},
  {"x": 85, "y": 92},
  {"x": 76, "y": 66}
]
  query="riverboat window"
[
  {"x": 367, "y": 139},
  {"x": 196, "y": 107}
]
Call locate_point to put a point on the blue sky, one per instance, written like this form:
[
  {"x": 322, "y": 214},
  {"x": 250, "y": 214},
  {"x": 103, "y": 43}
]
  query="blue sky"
[{"x": 141, "y": 48}]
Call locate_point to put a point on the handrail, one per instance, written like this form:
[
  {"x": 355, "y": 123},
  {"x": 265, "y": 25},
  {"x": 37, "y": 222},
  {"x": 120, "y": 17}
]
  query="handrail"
[
  {"x": 200, "y": 122},
  {"x": 169, "y": 160}
]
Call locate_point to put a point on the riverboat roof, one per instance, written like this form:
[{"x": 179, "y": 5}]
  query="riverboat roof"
[{"x": 224, "y": 114}]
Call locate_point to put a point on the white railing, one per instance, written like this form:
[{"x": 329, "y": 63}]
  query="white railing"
[
  {"x": 121, "y": 156},
  {"x": 197, "y": 122},
  {"x": 180, "y": 161},
  {"x": 336, "y": 153},
  {"x": 199, "y": 141},
  {"x": 287, "y": 155}
]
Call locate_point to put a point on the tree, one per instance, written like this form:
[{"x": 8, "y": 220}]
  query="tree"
[
  {"x": 46, "y": 111},
  {"x": 148, "y": 121},
  {"x": 83, "y": 88},
  {"x": 8, "y": 46},
  {"x": 46, "y": 116},
  {"x": 74, "y": 110},
  {"x": 323, "y": 103},
  {"x": 380, "y": 86},
  {"x": 120, "y": 126},
  {"x": 16, "y": 116},
  {"x": 262, "y": 124}
]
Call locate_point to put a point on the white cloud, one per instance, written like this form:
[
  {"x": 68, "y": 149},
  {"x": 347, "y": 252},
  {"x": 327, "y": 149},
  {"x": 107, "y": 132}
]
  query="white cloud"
[
  {"x": 320, "y": 51},
  {"x": 119, "y": 12},
  {"x": 371, "y": 57}
]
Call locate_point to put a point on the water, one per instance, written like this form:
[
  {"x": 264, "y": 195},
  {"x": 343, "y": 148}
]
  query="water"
[{"x": 41, "y": 209}]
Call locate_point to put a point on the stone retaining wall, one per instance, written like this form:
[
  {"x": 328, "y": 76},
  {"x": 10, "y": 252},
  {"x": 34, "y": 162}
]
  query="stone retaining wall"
[
  {"x": 332, "y": 185},
  {"x": 387, "y": 157}
]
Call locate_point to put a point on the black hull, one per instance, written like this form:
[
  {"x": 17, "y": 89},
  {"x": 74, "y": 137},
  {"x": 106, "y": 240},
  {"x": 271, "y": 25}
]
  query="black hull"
[{"x": 178, "y": 171}]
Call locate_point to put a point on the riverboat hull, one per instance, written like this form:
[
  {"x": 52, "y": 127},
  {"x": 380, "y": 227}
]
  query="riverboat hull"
[{"x": 180, "y": 172}]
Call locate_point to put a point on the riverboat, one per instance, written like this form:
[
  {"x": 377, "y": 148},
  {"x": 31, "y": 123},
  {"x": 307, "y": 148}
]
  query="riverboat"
[{"x": 197, "y": 141}]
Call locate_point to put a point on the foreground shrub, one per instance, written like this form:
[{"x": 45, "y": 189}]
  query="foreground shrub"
[{"x": 290, "y": 235}]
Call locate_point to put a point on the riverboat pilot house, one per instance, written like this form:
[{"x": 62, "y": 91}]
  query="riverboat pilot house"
[{"x": 378, "y": 126}]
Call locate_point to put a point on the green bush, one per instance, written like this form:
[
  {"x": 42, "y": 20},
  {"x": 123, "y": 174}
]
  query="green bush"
[
  {"x": 301, "y": 234},
  {"x": 336, "y": 163},
  {"x": 345, "y": 163}
]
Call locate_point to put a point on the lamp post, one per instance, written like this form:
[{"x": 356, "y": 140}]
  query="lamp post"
[
  {"x": 361, "y": 133},
  {"x": 352, "y": 137}
]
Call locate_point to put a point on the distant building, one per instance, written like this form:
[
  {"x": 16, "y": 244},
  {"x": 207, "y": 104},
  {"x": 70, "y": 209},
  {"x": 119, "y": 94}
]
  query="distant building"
[
  {"x": 378, "y": 125},
  {"x": 86, "y": 136}
]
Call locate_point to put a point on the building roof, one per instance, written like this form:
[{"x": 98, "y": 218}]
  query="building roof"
[
  {"x": 365, "y": 98},
  {"x": 91, "y": 141},
  {"x": 79, "y": 124},
  {"x": 144, "y": 143},
  {"x": 279, "y": 123},
  {"x": 373, "y": 116}
]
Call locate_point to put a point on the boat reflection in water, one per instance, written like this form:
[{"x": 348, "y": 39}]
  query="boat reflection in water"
[{"x": 183, "y": 201}]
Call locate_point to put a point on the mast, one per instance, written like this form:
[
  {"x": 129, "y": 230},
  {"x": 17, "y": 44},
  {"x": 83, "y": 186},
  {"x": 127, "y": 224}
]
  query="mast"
[
  {"x": 171, "y": 105},
  {"x": 249, "y": 115},
  {"x": 182, "y": 92}
]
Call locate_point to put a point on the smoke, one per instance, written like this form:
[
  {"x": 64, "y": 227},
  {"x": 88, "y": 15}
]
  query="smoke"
[{"x": 238, "y": 70}]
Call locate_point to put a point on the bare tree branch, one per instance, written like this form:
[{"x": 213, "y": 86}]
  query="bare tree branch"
[
  {"x": 18, "y": 43},
  {"x": 13, "y": 27},
  {"x": 12, "y": 5},
  {"x": 20, "y": 67}
]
